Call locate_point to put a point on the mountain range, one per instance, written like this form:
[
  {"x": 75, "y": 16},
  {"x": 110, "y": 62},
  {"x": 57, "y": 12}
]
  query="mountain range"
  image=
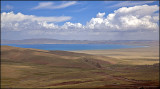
[{"x": 56, "y": 41}]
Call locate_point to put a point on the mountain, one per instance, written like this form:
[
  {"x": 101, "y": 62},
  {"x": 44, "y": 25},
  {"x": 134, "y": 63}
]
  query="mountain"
[
  {"x": 44, "y": 41},
  {"x": 55, "y": 41}
]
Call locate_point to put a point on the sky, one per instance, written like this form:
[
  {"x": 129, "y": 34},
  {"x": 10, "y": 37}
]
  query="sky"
[{"x": 80, "y": 20}]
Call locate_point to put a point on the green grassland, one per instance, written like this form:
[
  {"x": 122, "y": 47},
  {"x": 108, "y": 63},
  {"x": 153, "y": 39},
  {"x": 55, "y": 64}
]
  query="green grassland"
[{"x": 33, "y": 68}]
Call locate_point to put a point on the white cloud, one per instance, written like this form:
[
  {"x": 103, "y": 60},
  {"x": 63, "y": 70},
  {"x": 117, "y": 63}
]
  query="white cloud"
[
  {"x": 20, "y": 21},
  {"x": 100, "y": 15},
  {"x": 72, "y": 26},
  {"x": 51, "y": 5},
  {"x": 95, "y": 23},
  {"x": 10, "y": 16},
  {"x": 124, "y": 19},
  {"x": 80, "y": 10},
  {"x": 131, "y": 3}
]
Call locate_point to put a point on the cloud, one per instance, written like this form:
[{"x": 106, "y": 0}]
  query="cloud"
[
  {"x": 7, "y": 7},
  {"x": 80, "y": 10},
  {"x": 10, "y": 16},
  {"x": 51, "y": 5},
  {"x": 100, "y": 15},
  {"x": 72, "y": 26},
  {"x": 126, "y": 19},
  {"x": 131, "y": 3},
  {"x": 19, "y": 21},
  {"x": 137, "y": 22}
]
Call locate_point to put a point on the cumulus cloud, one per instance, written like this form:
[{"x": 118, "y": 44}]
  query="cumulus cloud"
[
  {"x": 131, "y": 18},
  {"x": 123, "y": 23},
  {"x": 100, "y": 15},
  {"x": 51, "y": 5},
  {"x": 19, "y": 21},
  {"x": 72, "y": 26}
]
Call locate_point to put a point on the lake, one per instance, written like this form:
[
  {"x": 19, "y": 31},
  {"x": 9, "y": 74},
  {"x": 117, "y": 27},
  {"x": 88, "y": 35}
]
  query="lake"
[{"x": 73, "y": 47}]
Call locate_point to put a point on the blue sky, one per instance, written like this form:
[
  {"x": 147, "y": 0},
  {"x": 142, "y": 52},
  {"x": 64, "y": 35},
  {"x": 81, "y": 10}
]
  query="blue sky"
[
  {"x": 88, "y": 8},
  {"x": 74, "y": 12}
]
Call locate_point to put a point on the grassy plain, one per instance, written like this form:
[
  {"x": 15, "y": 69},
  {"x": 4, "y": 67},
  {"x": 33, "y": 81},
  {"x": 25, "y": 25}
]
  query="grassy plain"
[{"x": 135, "y": 56}]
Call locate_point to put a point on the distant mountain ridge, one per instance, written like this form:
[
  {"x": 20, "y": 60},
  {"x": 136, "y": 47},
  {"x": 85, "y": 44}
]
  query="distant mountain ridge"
[
  {"x": 44, "y": 41},
  {"x": 55, "y": 41}
]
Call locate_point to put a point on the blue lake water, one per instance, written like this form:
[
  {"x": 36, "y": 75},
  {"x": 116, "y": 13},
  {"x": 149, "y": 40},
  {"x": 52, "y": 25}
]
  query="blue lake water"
[{"x": 72, "y": 47}]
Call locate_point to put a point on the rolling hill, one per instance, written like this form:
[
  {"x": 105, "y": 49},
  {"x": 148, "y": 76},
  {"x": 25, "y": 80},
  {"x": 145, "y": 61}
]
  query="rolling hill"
[{"x": 34, "y": 68}]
